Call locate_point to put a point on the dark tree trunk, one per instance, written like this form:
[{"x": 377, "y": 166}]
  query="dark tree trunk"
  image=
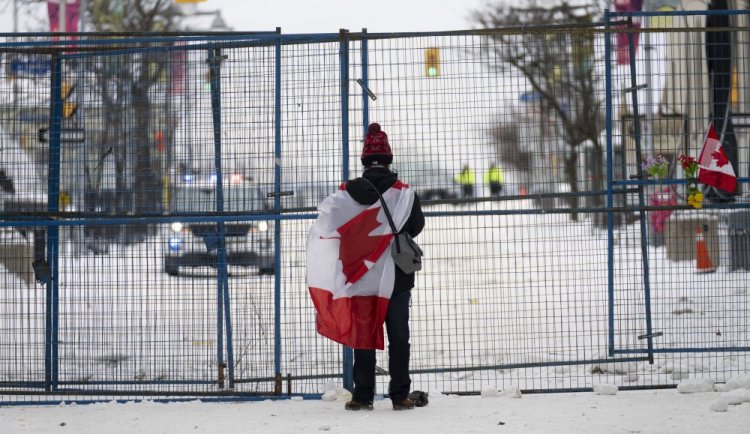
[
  {"x": 147, "y": 181},
  {"x": 571, "y": 174}
]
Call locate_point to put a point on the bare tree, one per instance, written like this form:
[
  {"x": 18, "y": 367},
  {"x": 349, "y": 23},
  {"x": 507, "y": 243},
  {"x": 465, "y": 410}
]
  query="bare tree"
[
  {"x": 130, "y": 77},
  {"x": 510, "y": 151},
  {"x": 557, "y": 63}
]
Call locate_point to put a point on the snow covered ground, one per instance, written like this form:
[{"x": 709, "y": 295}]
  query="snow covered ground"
[
  {"x": 528, "y": 304},
  {"x": 665, "y": 411},
  {"x": 531, "y": 289}
]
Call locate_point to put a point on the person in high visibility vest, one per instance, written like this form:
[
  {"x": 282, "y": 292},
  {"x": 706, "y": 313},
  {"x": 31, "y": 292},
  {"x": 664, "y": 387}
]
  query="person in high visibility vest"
[
  {"x": 466, "y": 180},
  {"x": 495, "y": 178}
]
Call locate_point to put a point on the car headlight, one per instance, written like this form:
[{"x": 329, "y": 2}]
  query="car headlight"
[
  {"x": 176, "y": 227},
  {"x": 175, "y": 244},
  {"x": 262, "y": 226}
]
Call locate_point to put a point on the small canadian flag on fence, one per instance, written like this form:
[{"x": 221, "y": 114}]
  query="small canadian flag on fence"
[{"x": 715, "y": 168}]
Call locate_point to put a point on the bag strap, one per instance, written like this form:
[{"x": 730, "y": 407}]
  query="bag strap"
[{"x": 385, "y": 208}]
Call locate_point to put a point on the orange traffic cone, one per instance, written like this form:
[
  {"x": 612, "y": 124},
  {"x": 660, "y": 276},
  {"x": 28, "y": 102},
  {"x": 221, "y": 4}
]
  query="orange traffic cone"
[{"x": 703, "y": 262}]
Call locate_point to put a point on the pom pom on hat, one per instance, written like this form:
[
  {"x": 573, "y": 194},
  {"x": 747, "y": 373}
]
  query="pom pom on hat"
[
  {"x": 376, "y": 148},
  {"x": 374, "y": 128}
]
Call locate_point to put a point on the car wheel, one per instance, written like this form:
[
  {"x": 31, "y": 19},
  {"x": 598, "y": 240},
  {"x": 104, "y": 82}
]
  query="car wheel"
[
  {"x": 171, "y": 267},
  {"x": 266, "y": 271}
]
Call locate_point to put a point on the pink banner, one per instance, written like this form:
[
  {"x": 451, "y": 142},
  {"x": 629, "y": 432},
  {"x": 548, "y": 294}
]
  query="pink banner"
[
  {"x": 623, "y": 48},
  {"x": 72, "y": 8}
]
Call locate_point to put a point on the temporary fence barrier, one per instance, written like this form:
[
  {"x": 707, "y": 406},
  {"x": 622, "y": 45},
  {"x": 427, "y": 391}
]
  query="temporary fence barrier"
[{"x": 158, "y": 189}]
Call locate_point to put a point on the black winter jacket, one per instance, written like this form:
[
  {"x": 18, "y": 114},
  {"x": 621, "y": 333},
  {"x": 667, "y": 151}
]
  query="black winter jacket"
[{"x": 363, "y": 193}]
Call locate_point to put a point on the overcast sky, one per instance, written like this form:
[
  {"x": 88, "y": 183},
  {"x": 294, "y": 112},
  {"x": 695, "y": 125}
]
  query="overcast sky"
[{"x": 306, "y": 16}]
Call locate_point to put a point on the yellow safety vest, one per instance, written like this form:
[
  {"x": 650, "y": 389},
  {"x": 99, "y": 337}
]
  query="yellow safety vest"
[
  {"x": 466, "y": 177},
  {"x": 494, "y": 175}
]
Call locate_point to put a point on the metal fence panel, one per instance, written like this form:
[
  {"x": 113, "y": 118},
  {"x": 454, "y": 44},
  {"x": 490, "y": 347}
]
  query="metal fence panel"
[{"x": 190, "y": 168}]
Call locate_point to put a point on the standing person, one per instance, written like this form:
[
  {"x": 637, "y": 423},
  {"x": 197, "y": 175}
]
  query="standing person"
[
  {"x": 466, "y": 180},
  {"x": 352, "y": 236},
  {"x": 495, "y": 178}
]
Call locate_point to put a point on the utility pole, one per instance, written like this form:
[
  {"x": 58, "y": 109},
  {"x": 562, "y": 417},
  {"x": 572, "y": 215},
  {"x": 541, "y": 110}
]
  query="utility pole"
[
  {"x": 82, "y": 15},
  {"x": 61, "y": 16}
]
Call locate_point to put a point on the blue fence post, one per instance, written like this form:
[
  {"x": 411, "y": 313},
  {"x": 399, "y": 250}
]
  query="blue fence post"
[
  {"x": 223, "y": 313},
  {"x": 365, "y": 84},
  {"x": 344, "y": 79},
  {"x": 610, "y": 225},
  {"x": 641, "y": 201},
  {"x": 53, "y": 197},
  {"x": 277, "y": 210}
]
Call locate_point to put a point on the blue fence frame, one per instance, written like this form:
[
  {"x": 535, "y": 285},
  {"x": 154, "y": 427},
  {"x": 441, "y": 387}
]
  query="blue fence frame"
[
  {"x": 224, "y": 330},
  {"x": 641, "y": 181}
]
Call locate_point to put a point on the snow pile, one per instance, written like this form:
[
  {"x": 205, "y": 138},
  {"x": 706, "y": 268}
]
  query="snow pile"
[
  {"x": 605, "y": 389},
  {"x": 622, "y": 368},
  {"x": 334, "y": 393},
  {"x": 491, "y": 392},
  {"x": 696, "y": 385},
  {"x": 735, "y": 383},
  {"x": 733, "y": 397},
  {"x": 678, "y": 372},
  {"x": 736, "y": 391}
]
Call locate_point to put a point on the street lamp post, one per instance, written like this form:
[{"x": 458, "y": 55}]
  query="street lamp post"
[{"x": 61, "y": 16}]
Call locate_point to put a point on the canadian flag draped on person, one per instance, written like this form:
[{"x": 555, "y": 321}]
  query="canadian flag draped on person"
[
  {"x": 354, "y": 283},
  {"x": 350, "y": 271},
  {"x": 715, "y": 168}
]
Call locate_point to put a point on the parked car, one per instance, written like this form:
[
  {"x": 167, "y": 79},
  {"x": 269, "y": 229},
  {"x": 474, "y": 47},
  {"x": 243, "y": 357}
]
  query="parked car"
[{"x": 249, "y": 243}]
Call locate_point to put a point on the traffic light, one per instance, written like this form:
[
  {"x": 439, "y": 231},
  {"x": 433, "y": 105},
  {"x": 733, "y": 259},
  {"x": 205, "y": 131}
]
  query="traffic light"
[
  {"x": 432, "y": 62},
  {"x": 69, "y": 108},
  {"x": 207, "y": 81}
]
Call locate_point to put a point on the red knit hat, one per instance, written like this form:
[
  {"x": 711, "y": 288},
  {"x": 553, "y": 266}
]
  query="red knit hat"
[{"x": 376, "y": 148}]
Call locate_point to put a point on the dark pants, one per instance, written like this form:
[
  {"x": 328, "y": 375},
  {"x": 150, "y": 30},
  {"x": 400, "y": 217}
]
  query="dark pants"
[
  {"x": 468, "y": 190},
  {"x": 397, "y": 326},
  {"x": 496, "y": 188}
]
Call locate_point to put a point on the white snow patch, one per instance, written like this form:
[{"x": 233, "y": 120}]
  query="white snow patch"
[
  {"x": 491, "y": 392},
  {"x": 605, "y": 389},
  {"x": 719, "y": 406},
  {"x": 736, "y": 396},
  {"x": 732, "y": 397},
  {"x": 736, "y": 383},
  {"x": 334, "y": 393},
  {"x": 616, "y": 368},
  {"x": 680, "y": 375},
  {"x": 696, "y": 385},
  {"x": 631, "y": 378},
  {"x": 574, "y": 413},
  {"x": 511, "y": 393}
]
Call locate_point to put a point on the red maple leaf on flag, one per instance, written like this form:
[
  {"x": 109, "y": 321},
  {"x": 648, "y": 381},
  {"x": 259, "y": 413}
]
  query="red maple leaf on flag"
[
  {"x": 720, "y": 158},
  {"x": 357, "y": 246}
]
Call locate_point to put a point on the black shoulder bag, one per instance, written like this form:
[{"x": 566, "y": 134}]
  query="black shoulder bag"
[{"x": 406, "y": 252}]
